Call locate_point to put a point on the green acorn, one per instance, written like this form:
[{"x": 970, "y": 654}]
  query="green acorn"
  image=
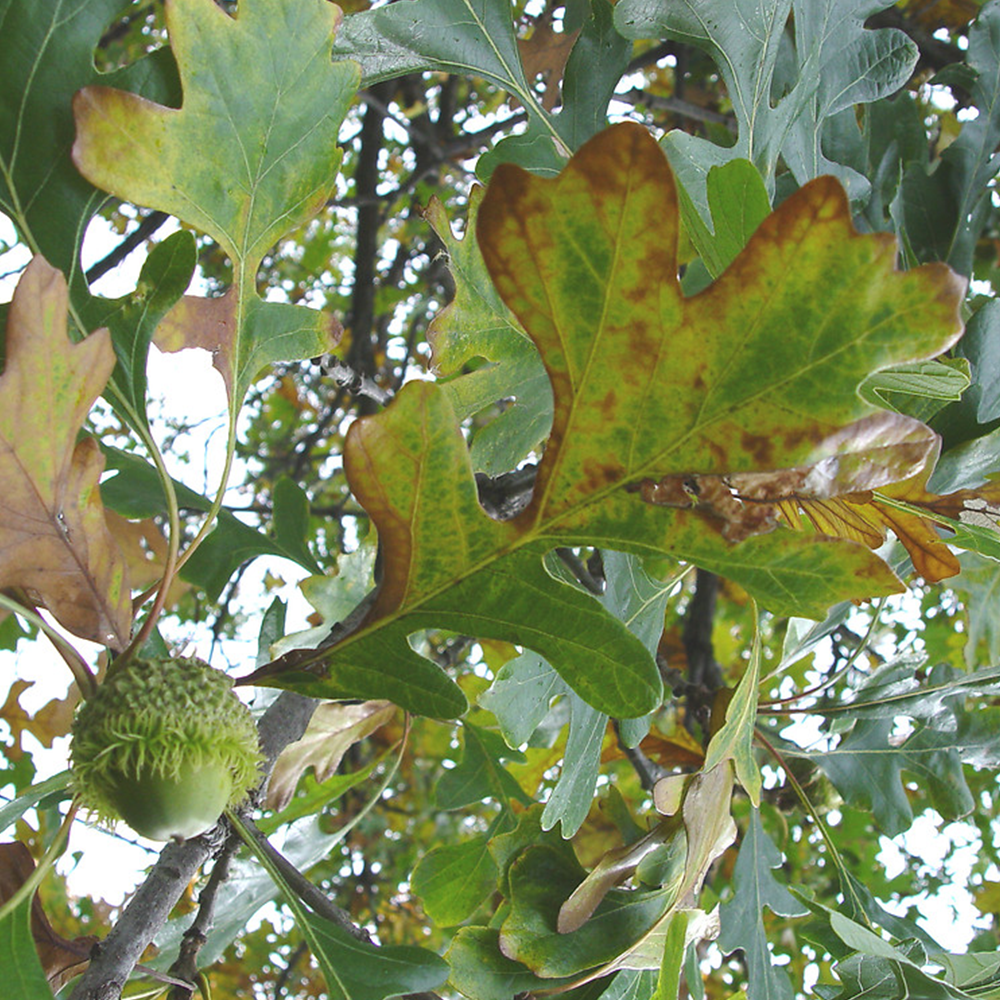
[{"x": 166, "y": 746}]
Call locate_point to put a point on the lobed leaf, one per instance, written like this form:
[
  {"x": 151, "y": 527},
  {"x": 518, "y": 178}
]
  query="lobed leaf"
[
  {"x": 46, "y": 55},
  {"x": 645, "y": 382},
  {"x": 836, "y": 63},
  {"x": 742, "y": 916},
  {"x": 54, "y": 541},
  {"x": 476, "y": 328},
  {"x": 266, "y": 161}
]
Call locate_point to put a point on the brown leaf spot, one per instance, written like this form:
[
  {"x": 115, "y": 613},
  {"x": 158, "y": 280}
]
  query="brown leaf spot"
[{"x": 760, "y": 447}]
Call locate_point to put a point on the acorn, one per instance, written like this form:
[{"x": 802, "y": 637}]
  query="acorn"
[{"x": 166, "y": 746}]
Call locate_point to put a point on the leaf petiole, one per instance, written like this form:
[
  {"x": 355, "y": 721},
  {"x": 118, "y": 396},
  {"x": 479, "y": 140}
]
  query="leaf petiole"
[{"x": 82, "y": 673}]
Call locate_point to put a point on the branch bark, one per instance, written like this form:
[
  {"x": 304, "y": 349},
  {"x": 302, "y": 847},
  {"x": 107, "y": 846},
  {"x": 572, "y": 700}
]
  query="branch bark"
[{"x": 114, "y": 958}]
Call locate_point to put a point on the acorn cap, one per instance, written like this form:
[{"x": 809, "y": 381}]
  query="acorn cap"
[{"x": 166, "y": 745}]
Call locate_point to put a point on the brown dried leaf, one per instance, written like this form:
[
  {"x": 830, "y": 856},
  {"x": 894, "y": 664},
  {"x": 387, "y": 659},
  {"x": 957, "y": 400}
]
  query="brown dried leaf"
[
  {"x": 145, "y": 550},
  {"x": 878, "y": 450},
  {"x": 333, "y": 729},
  {"x": 61, "y": 959},
  {"x": 834, "y": 493},
  {"x": 54, "y": 542},
  {"x": 52, "y": 720},
  {"x": 544, "y": 54}
]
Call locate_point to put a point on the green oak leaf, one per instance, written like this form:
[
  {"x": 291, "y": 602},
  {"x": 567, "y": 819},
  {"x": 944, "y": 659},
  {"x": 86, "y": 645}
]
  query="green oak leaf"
[
  {"x": 883, "y": 972},
  {"x": 476, "y": 327},
  {"x": 506, "y": 848},
  {"x": 738, "y": 203},
  {"x": 754, "y": 373},
  {"x": 453, "y": 880},
  {"x": 920, "y": 389},
  {"x": 481, "y": 971},
  {"x": 734, "y": 738},
  {"x": 836, "y": 63},
  {"x": 980, "y": 582},
  {"x": 894, "y": 691},
  {"x": 942, "y": 212},
  {"x": 479, "y": 773},
  {"x": 541, "y": 880},
  {"x": 596, "y": 64},
  {"x": 468, "y": 37},
  {"x": 251, "y": 154},
  {"x": 523, "y": 688},
  {"x": 520, "y": 696},
  {"x": 742, "y": 916},
  {"x": 135, "y": 491},
  {"x": 570, "y": 801},
  {"x": 24, "y": 978},
  {"x": 46, "y": 55},
  {"x": 291, "y": 522},
  {"x": 981, "y": 346},
  {"x": 132, "y": 319},
  {"x": 353, "y": 968},
  {"x": 867, "y": 769}
]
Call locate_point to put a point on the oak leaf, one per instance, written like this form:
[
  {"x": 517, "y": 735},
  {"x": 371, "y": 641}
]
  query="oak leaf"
[
  {"x": 61, "y": 959},
  {"x": 54, "y": 541},
  {"x": 758, "y": 372},
  {"x": 544, "y": 54},
  {"x": 242, "y": 160},
  {"x": 50, "y": 721},
  {"x": 332, "y": 730}
]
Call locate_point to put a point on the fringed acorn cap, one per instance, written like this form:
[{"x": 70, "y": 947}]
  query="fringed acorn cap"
[{"x": 165, "y": 745}]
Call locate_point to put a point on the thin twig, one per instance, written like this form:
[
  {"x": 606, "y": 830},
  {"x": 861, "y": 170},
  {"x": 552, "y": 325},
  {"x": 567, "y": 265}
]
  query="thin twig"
[
  {"x": 139, "y": 235},
  {"x": 309, "y": 893},
  {"x": 186, "y": 964},
  {"x": 676, "y": 106},
  {"x": 579, "y": 570},
  {"x": 648, "y": 771},
  {"x": 354, "y": 382}
]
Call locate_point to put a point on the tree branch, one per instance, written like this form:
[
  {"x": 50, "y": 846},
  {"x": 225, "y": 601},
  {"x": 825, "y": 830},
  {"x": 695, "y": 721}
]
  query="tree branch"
[
  {"x": 114, "y": 958},
  {"x": 140, "y": 234}
]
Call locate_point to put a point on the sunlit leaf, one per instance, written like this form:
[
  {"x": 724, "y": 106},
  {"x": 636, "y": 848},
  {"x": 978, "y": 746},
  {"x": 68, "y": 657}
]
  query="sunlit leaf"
[
  {"x": 273, "y": 141},
  {"x": 738, "y": 402}
]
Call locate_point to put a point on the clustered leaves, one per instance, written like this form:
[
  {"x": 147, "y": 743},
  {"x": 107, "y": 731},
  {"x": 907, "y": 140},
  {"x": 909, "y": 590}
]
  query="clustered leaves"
[{"x": 676, "y": 385}]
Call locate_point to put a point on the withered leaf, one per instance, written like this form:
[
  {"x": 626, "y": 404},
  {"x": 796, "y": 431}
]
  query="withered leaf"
[
  {"x": 332, "y": 730},
  {"x": 51, "y": 720},
  {"x": 61, "y": 958},
  {"x": 54, "y": 541}
]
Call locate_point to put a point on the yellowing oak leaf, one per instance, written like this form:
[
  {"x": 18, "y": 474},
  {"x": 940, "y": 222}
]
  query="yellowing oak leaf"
[
  {"x": 757, "y": 373},
  {"x": 332, "y": 730},
  {"x": 251, "y": 154},
  {"x": 54, "y": 541}
]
